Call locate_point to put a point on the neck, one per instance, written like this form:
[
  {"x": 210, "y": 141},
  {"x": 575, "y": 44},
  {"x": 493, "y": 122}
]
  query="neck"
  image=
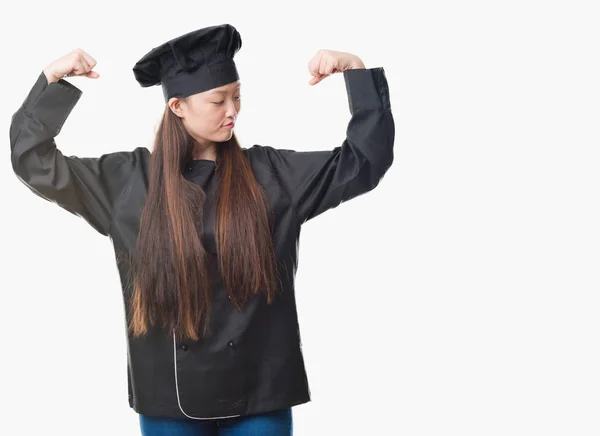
[{"x": 205, "y": 150}]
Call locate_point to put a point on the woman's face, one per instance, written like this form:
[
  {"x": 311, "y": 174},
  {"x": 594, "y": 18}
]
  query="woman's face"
[{"x": 206, "y": 114}]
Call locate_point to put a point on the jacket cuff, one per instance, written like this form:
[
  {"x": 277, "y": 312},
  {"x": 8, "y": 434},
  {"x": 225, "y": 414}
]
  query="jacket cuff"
[
  {"x": 367, "y": 89},
  {"x": 51, "y": 103},
  {"x": 34, "y": 93}
]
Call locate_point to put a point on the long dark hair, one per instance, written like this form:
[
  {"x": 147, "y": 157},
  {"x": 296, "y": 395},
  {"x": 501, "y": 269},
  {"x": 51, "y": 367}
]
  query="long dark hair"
[{"x": 171, "y": 284}]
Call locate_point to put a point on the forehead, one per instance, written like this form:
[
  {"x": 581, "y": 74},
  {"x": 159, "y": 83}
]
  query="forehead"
[{"x": 230, "y": 87}]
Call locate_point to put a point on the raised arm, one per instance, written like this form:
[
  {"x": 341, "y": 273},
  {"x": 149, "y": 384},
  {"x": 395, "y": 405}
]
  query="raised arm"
[
  {"x": 85, "y": 186},
  {"x": 320, "y": 180}
]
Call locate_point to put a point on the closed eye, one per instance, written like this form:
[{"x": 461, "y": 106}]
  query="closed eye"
[{"x": 223, "y": 101}]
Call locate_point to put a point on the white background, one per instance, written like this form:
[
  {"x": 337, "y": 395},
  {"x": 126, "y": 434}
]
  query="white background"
[{"x": 460, "y": 297}]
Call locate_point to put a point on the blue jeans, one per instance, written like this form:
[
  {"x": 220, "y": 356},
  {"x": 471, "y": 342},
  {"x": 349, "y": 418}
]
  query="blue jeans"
[{"x": 277, "y": 423}]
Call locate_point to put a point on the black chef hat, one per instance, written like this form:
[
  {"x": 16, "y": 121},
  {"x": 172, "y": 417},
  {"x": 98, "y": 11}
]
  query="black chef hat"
[{"x": 195, "y": 62}]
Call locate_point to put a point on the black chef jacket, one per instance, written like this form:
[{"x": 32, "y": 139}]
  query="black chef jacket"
[{"x": 252, "y": 361}]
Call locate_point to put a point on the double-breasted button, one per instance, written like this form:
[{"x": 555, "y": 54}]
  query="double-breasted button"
[
  {"x": 231, "y": 344},
  {"x": 184, "y": 347}
]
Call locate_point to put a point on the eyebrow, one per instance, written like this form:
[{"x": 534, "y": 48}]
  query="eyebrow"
[{"x": 225, "y": 92}]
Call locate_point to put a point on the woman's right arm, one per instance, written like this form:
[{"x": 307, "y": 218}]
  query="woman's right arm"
[{"x": 85, "y": 186}]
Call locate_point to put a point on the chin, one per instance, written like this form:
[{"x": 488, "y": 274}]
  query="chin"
[{"x": 228, "y": 135}]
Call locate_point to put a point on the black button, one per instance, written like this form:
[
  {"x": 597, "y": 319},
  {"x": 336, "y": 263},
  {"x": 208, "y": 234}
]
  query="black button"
[
  {"x": 231, "y": 344},
  {"x": 184, "y": 347}
]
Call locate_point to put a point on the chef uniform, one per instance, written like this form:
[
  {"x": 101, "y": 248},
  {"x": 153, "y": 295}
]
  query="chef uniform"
[{"x": 251, "y": 362}]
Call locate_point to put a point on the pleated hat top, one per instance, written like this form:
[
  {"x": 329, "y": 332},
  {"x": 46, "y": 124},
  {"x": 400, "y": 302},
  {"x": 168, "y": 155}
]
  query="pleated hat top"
[{"x": 191, "y": 63}]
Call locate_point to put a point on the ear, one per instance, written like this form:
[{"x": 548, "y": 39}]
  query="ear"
[{"x": 175, "y": 104}]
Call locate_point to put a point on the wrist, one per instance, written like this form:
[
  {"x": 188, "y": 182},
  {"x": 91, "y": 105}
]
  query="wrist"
[
  {"x": 50, "y": 77},
  {"x": 357, "y": 64}
]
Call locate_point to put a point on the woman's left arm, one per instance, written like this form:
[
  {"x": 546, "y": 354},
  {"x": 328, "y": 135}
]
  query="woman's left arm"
[{"x": 320, "y": 180}]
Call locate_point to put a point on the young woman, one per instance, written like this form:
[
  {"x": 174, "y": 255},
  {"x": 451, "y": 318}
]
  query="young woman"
[{"x": 205, "y": 232}]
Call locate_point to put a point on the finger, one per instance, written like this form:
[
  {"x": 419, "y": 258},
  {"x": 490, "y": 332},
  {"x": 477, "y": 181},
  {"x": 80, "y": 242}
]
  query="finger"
[
  {"x": 323, "y": 67},
  {"x": 78, "y": 68},
  {"x": 326, "y": 66},
  {"x": 85, "y": 65},
  {"x": 313, "y": 66},
  {"x": 90, "y": 60},
  {"x": 309, "y": 65},
  {"x": 331, "y": 68}
]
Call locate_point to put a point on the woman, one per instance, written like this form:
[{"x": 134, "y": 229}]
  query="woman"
[{"x": 205, "y": 232}]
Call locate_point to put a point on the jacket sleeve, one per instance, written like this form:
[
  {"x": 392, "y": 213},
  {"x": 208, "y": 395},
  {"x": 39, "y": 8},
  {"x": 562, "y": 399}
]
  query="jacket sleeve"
[
  {"x": 320, "y": 180},
  {"x": 85, "y": 186}
]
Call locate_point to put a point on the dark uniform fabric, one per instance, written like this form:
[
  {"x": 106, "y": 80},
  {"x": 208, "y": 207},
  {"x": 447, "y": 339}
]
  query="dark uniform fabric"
[{"x": 252, "y": 361}]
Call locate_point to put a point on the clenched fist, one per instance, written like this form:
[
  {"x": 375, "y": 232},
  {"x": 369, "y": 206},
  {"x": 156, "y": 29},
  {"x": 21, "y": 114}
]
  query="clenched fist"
[
  {"x": 327, "y": 62},
  {"x": 76, "y": 63}
]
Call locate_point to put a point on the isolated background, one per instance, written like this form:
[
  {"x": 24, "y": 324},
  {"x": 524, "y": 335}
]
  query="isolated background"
[{"x": 460, "y": 297}]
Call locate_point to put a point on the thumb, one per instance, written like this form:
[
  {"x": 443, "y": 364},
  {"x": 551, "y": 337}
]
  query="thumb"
[
  {"x": 316, "y": 79},
  {"x": 92, "y": 75}
]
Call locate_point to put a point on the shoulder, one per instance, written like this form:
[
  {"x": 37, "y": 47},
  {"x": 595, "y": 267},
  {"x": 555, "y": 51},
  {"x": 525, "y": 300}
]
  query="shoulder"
[
  {"x": 139, "y": 156},
  {"x": 267, "y": 155},
  {"x": 120, "y": 165},
  {"x": 139, "y": 160},
  {"x": 257, "y": 151}
]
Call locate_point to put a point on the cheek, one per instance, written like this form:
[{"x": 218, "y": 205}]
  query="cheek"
[
  {"x": 216, "y": 117},
  {"x": 208, "y": 112},
  {"x": 204, "y": 119}
]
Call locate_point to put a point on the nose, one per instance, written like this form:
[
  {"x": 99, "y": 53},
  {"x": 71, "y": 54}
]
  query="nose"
[{"x": 231, "y": 111}]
